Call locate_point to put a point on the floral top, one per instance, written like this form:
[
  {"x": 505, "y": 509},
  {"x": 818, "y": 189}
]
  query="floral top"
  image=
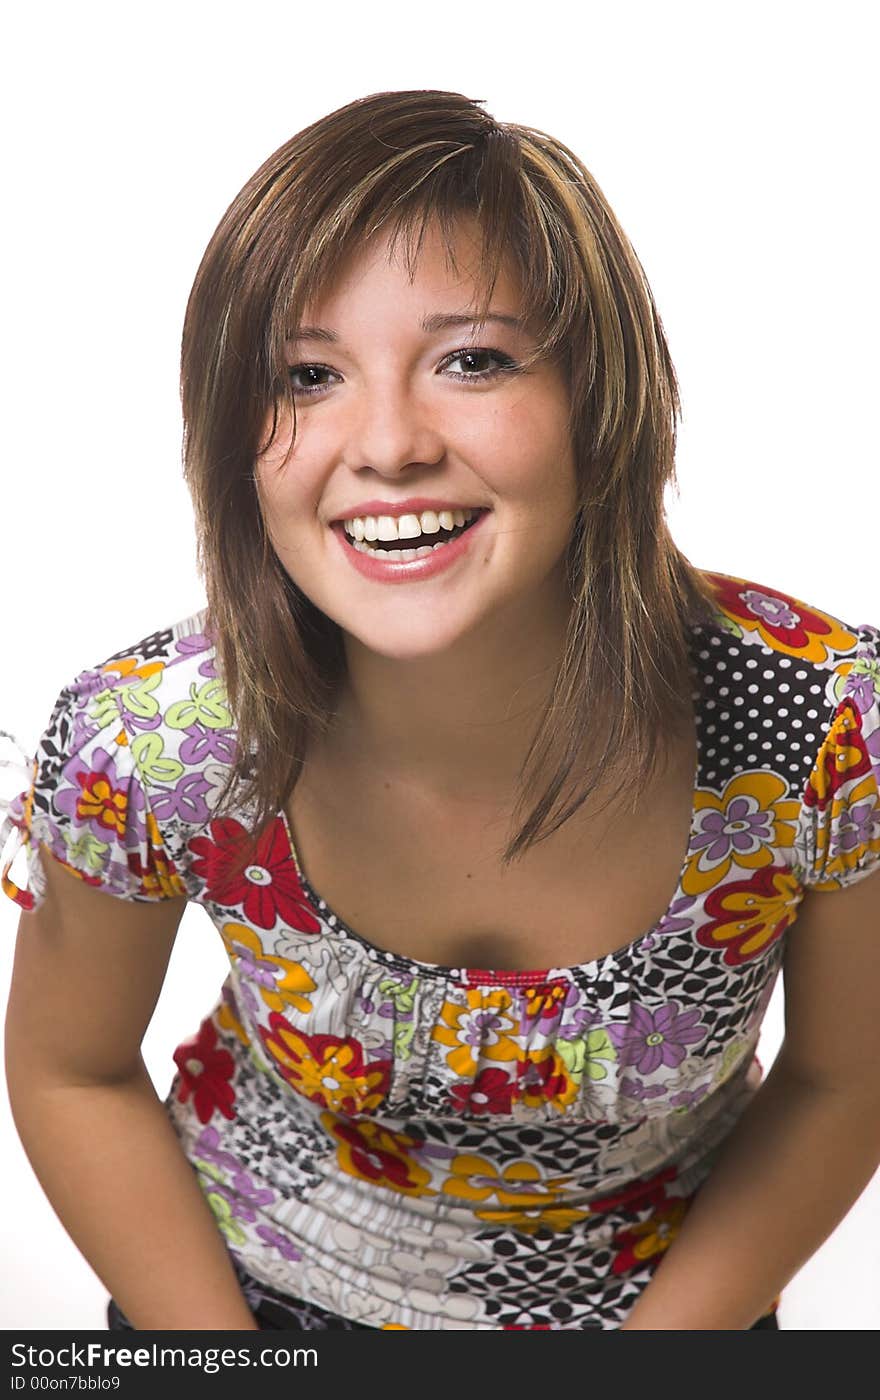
[{"x": 417, "y": 1146}]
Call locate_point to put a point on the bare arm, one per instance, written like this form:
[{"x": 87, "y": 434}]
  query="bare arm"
[
  {"x": 87, "y": 975},
  {"x": 806, "y": 1147}
]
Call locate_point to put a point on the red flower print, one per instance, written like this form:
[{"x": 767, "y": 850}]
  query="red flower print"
[
  {"x": 785, "y": 623},
  {"x": 267, "y": 889},
  {"x": 638, "y": 1195},
  {"x": 749, "y": 915},
  {"x": 101, "y": 802},
  {"x": 367, "y": 1150},
  {"x": 844, "y": 756},
  {"x": 157, "y": 873},
  {"x": 490, "y": 1092},
  {"x": 205, "y": 1072},
  {"x": 325, "y": 1069}
]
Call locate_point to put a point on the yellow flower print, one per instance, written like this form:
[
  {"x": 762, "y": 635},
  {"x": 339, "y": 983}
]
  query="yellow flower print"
[
  {"x": 746, "y": 916},
  {"x": 782, "y": 622},
  {"x": 842, "y": 757},
  {"x": 327, "y": 1070},
  {"x": 224, "y": 1217},
  {"x": 478, "y": 1031},
  {"x": 525, "y": 1202},
  {"x": 651, "y": 1237},
  {"x": 542, "y": 1078},
  {"x": 227, "y": 1018},
  {"x": 370, "y": 1152},
  {"x": 127, "y": 666},
  {"x": 852, "y": 817},
  {"x": 752, "y": 818},
  {"x": 159, "y": 879},
  {"x": 281, "y": 983},
  {"x": 98, "y": 800},
  {"x": 544, "y": 1001},
  {"x": 843, "y": 792}
]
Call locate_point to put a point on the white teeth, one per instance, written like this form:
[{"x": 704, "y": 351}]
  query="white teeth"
[
  {"x": 405, "y": 527},
  {"x": 397, "y": 556}
]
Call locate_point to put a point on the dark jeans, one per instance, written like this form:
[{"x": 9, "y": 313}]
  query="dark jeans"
[{"x": 295, "y": 1316}]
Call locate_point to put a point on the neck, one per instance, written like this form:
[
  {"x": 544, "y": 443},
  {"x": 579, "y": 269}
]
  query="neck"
[{"x": 458, "y": 724}]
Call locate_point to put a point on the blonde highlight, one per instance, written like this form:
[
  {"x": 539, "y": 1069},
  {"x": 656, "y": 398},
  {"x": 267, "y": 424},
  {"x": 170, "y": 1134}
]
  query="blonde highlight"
[{"x": 320, "y": 196}]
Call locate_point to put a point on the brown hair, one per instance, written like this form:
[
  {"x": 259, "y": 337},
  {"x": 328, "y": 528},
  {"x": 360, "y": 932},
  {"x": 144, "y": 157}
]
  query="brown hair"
[{"x": 396, "y": 161}]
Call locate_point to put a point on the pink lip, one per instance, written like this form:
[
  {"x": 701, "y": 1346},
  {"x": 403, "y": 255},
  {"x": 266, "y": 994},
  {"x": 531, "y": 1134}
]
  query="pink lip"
[
  {"x": 373, "y": 566},
  {"x": 413, "y": 505}
]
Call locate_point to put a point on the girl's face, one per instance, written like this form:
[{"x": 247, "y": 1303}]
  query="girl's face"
[{"x": 406, "y": 407}]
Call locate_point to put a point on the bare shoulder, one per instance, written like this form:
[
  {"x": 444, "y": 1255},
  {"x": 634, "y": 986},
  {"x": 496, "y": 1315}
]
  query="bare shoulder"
[{"x": 87, "y": 975}]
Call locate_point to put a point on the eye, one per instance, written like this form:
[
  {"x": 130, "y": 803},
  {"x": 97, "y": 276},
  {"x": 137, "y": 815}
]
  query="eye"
[
  {"x": 312, "y": 377},
  {"x": 479, "y": 364}
]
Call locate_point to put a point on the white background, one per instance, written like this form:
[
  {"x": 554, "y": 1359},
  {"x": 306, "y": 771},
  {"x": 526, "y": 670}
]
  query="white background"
[{"x": 737, "y": 145}]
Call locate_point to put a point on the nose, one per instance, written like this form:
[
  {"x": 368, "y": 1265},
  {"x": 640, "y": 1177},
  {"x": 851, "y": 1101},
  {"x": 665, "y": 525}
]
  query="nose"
[{"x": 391, "y": 430}]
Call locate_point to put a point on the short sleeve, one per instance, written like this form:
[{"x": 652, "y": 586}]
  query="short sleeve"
[
  {"x": 84, "y": 800},
  {"x": 838, "y": 840}
]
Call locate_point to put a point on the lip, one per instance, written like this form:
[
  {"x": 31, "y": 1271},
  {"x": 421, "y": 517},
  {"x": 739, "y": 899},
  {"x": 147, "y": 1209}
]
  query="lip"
[
  {"x": 413, "y": 505},
  {"x": 373, "y": 567}
]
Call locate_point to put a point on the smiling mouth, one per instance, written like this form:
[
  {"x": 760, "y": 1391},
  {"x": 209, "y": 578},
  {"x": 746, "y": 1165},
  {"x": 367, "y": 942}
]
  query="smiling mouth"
[{"x": 419, "y": 547}]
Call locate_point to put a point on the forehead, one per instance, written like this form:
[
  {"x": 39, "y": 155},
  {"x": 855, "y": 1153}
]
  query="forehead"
[{"x": 444, "y": 273}]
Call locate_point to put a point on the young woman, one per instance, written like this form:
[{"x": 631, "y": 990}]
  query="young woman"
[{"x": 508, "y": 815}]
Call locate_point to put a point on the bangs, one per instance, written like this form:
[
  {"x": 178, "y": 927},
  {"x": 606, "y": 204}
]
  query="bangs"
[{"x": 438, "y": 185}]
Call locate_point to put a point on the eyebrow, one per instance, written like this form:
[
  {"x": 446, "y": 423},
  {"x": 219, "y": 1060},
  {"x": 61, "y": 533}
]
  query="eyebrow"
[{"x": 439, "y": 321}]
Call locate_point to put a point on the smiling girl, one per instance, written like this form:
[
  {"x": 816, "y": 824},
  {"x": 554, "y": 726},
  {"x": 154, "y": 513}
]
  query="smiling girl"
[{"x": 508, "y": 816}]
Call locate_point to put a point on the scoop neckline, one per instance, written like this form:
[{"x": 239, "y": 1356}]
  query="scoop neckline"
[{"x": 504, "y": 977}]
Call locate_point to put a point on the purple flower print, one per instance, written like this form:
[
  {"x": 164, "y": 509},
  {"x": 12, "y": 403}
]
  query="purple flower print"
[
  {"x": 855, "y": 828},
  {"x": 659, "y": 1038},
  {"x": 243, "y": 1196},
  {"x": 434, "y": 1151},
  {"x": 274, "y": 1239},
  {"x": 577, "y": 1025},
  {"x": 207, "y": 1149},
  {"x": 186, "y": 800},
  {"x": 635, "y": 1089},
  {"x": 480, "y": 1027},
  {"x": 686, "y": 1098},
  {"x": 249, "y": 1000},
  {"x": 675, "y": 920},
  {"x": 83, "y": 730},
  {"x": 201, "y": 744},
  {"x": 738, "y": 830},
  {"x": 255, "y": 969},
  {"x": 93, "y": 796},
  {"x": 862, "y": 687},
  {"x": 773, "y": 611},
  {"x": 191, "y": 646}
]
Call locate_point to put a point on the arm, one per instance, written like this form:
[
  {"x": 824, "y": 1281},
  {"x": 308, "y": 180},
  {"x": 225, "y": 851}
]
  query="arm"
[
  {"x": 807, "y": 1145},
  {"x": 87, "y": 975}
]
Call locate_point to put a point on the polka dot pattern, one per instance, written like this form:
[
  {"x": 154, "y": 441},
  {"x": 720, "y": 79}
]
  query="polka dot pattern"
[{"x": 406, "y": 1145}]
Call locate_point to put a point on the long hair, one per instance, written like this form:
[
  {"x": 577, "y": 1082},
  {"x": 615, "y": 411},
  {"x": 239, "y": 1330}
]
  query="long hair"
[{"x": 397, "y": 162}]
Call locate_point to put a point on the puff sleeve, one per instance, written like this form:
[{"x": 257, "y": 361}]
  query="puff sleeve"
[
  {"x": 839, "y": 827},
  {"x": 85, "y": 801}
]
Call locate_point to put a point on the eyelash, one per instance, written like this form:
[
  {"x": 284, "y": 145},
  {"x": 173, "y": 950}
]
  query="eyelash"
[{"x": 505, "y": 366}]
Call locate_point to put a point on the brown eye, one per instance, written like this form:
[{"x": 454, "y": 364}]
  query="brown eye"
[
  {"x": 309, "y": 379},
  {"x": 478, "y": 364}
]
